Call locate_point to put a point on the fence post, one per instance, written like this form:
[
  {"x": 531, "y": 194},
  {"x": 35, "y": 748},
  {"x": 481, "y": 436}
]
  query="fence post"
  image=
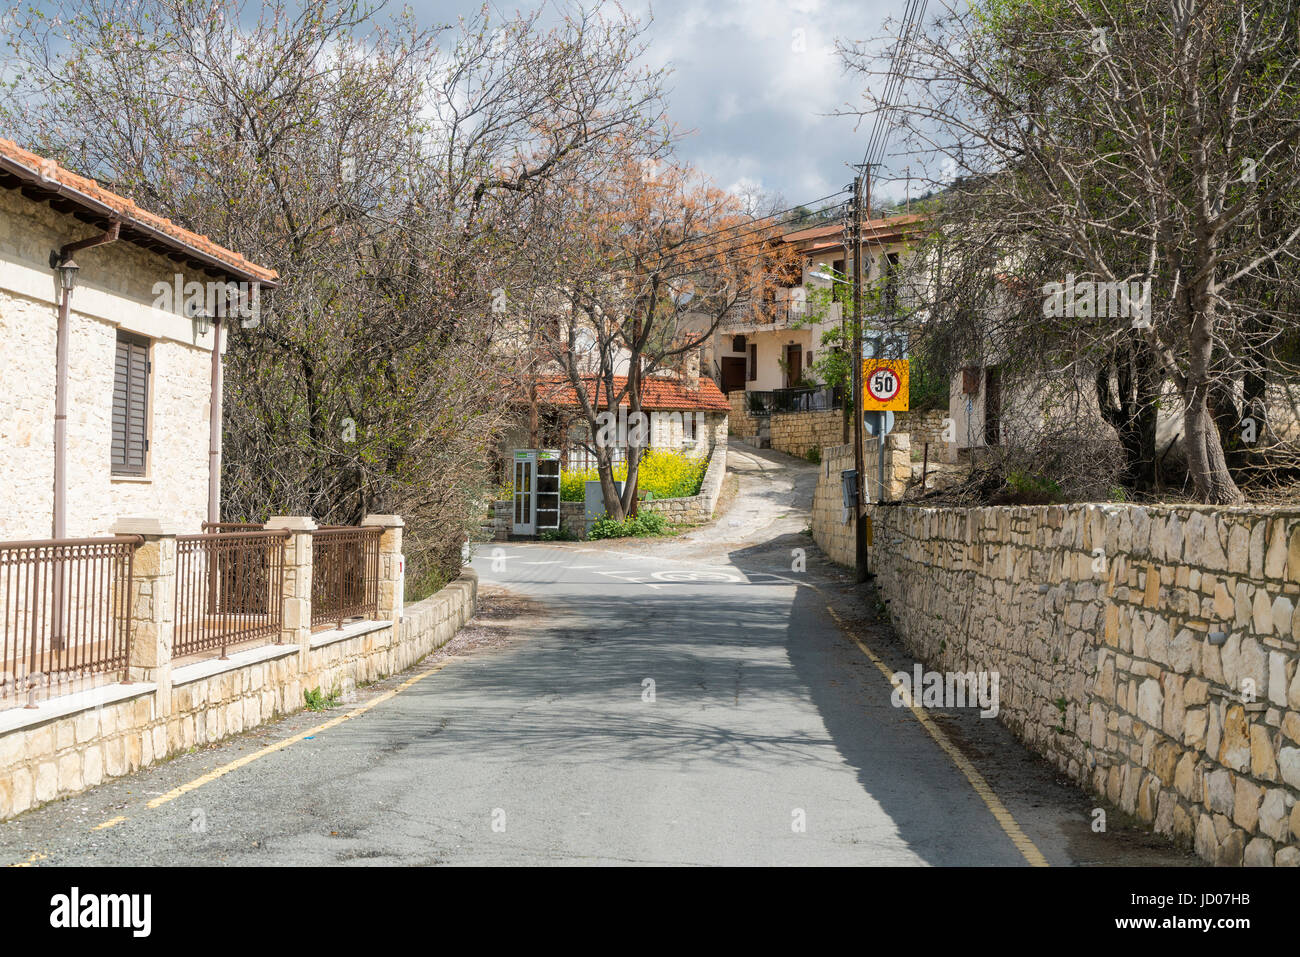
[
  {"x": 153, "y": 606},
  {"x": 295, "y": 589},
  {"x": 392, "y": 566}
]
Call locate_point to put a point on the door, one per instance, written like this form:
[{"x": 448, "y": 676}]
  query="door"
[
  {"x": 793, "y": 365},
  {"x": 733, "y": 373},
  {"x": 525, "y": 522},
  {"x": 992, "y": 406}
]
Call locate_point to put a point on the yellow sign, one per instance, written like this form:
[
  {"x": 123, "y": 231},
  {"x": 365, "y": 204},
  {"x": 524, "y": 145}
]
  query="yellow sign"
[{"x": 884, "y": 385}]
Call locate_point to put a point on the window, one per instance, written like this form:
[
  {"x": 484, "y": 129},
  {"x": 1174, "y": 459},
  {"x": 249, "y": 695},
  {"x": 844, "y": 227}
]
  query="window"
[
  {"x": 970, "y": 380},
  {"x": 688, "y": 426},
  {"x": 738, "y": 344},
  {"x": 890, "y": 295},
  {"x": 130, "y": 405},
  {"x": 809, "y": 361},
  {"x": 753, "y": 362}
]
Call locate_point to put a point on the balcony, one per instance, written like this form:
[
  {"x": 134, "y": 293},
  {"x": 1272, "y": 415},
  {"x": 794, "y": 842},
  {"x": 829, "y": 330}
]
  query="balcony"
[
  {"x": 786, "y": 313},
  {"x": 793, "y": 400}
]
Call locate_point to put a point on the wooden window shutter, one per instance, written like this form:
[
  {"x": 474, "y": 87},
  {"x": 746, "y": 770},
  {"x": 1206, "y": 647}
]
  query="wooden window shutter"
[
  {"x": 970, "y": 380},
  {"x": 130, "y": 405},
  {"x": 753, "y": 362}
]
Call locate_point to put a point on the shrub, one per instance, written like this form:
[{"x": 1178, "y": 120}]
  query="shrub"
[{"x": 645, "y": 523}]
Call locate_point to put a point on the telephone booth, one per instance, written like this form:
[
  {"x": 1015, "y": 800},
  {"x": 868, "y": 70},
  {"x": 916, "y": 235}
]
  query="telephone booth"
[{"x": 537, "y": 491}]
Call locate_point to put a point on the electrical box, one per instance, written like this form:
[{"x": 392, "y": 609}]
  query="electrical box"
[
  {"x": 849, "y": 486},
  {"x": 594, "y": 500},
  {"x": 537, "y": 491}
]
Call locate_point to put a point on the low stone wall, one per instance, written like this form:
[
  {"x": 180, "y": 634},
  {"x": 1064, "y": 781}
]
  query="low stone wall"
[
  {"x": 796, "y": 432},
  {"x": 740, "y": 423},
  {"x": 1104, "y": 623},
  {"x": 74, "y": 742},
  {"x": 925, "y": 427},
  {"x": 832, "y": 524},
  {"x": 697, "y": 509}
]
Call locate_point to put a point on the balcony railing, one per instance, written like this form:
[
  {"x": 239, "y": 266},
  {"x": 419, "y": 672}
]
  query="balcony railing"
[{"x": 794, "y": 400}]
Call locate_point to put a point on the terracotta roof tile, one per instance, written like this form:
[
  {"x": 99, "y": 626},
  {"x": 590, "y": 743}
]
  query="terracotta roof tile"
[
  {"x": 871, "y": 229},
  {"x": 49, "y": 172},
  {"x": 658, "y": 393}
]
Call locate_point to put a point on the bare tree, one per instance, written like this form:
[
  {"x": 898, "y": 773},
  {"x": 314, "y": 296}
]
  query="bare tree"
[
  {"x": 1145, "y": 141},
  {"x": 395, "y": 175},
  {"x": 656, "y": 260}
]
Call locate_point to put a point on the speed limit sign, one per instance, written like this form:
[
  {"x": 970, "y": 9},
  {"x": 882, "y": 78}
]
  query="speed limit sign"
[{"x": 884, "y": 384}]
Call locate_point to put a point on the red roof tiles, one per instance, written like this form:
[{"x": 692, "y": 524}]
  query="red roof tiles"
[
  {"x": 47, "y": 174},
  {"x": 658, "y": 393}
]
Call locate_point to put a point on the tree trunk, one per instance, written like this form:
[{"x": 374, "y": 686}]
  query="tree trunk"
[
  {"x": 1131, "y": 410},
  {"x": 1205, "y": 458}
]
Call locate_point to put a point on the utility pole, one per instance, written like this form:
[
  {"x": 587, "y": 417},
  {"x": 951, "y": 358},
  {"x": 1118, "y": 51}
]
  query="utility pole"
[{"x": 859, "y": 525}]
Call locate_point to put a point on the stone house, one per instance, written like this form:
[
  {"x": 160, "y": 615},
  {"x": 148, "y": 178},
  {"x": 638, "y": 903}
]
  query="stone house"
[
  {"x": 686, "y": 414},
  {"x": 778, "y": 348},
  {"x": 136, "y": 372}
]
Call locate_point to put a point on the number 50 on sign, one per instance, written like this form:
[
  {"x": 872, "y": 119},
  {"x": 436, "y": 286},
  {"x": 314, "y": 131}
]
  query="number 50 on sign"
[{"x": 884, "y": 385}]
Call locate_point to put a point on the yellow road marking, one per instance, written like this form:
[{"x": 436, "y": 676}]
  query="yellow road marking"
[
  {"x": 986, "y": 794},
  {"x": 111, "y": 822},
  {"x": 37, "y": 856},
  {"x": 238, "y": 763}
]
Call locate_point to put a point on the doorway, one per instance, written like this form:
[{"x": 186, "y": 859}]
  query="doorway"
[
  {"x": 733, "y": 373},
  {"x": 793, "y": 365}
]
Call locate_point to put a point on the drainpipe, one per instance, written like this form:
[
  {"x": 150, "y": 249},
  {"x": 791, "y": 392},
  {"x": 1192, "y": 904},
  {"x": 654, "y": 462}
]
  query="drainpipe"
[
  {"x": 62, "y": 260},
  {"x": 214, "y": 428}
]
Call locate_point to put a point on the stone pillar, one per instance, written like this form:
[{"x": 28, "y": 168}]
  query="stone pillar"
[
  {"x": 295, "y": 618},
  {"x": 898, "y": 464},
  {"x": 392, "y": 566},
  {"x": 153, "y": 605}
]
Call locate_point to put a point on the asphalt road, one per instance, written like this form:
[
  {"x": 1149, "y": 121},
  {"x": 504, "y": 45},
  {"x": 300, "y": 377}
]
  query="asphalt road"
[{"x": 690, "y": 701}]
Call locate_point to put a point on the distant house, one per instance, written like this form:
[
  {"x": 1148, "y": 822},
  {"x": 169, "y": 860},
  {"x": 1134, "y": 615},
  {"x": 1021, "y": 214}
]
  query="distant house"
[
  {"x": 686, "y": 414},
  {"x": 777, "y": 349},
  {"x": 107, "y": 318}
]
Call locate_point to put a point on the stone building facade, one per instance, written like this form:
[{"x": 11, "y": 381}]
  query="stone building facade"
[{"x": 116, "y": 293}]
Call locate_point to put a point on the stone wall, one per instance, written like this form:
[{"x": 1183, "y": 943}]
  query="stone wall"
[
  {"x": 796, "y": 432},
  {"x": 741, "y": 423},
  {"x": 925, "y": 427},
  {"x": 832, "y": 527},
  {"x": 697, "y": 509},
  {"x": 1149, "y": 653}
]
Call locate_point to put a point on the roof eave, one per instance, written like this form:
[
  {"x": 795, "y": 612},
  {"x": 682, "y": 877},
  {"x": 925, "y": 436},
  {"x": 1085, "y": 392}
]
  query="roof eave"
[{"x": 33, "y": 177}]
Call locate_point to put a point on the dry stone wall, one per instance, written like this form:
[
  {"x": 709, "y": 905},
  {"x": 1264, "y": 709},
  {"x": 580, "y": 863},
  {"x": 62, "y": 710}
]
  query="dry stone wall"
[
  {"x": 796, "y": 432},
  {"x": 740, "y": 422},
  {"x": 1149, "y": 653},
  {"x": 832, "y": 525}
]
